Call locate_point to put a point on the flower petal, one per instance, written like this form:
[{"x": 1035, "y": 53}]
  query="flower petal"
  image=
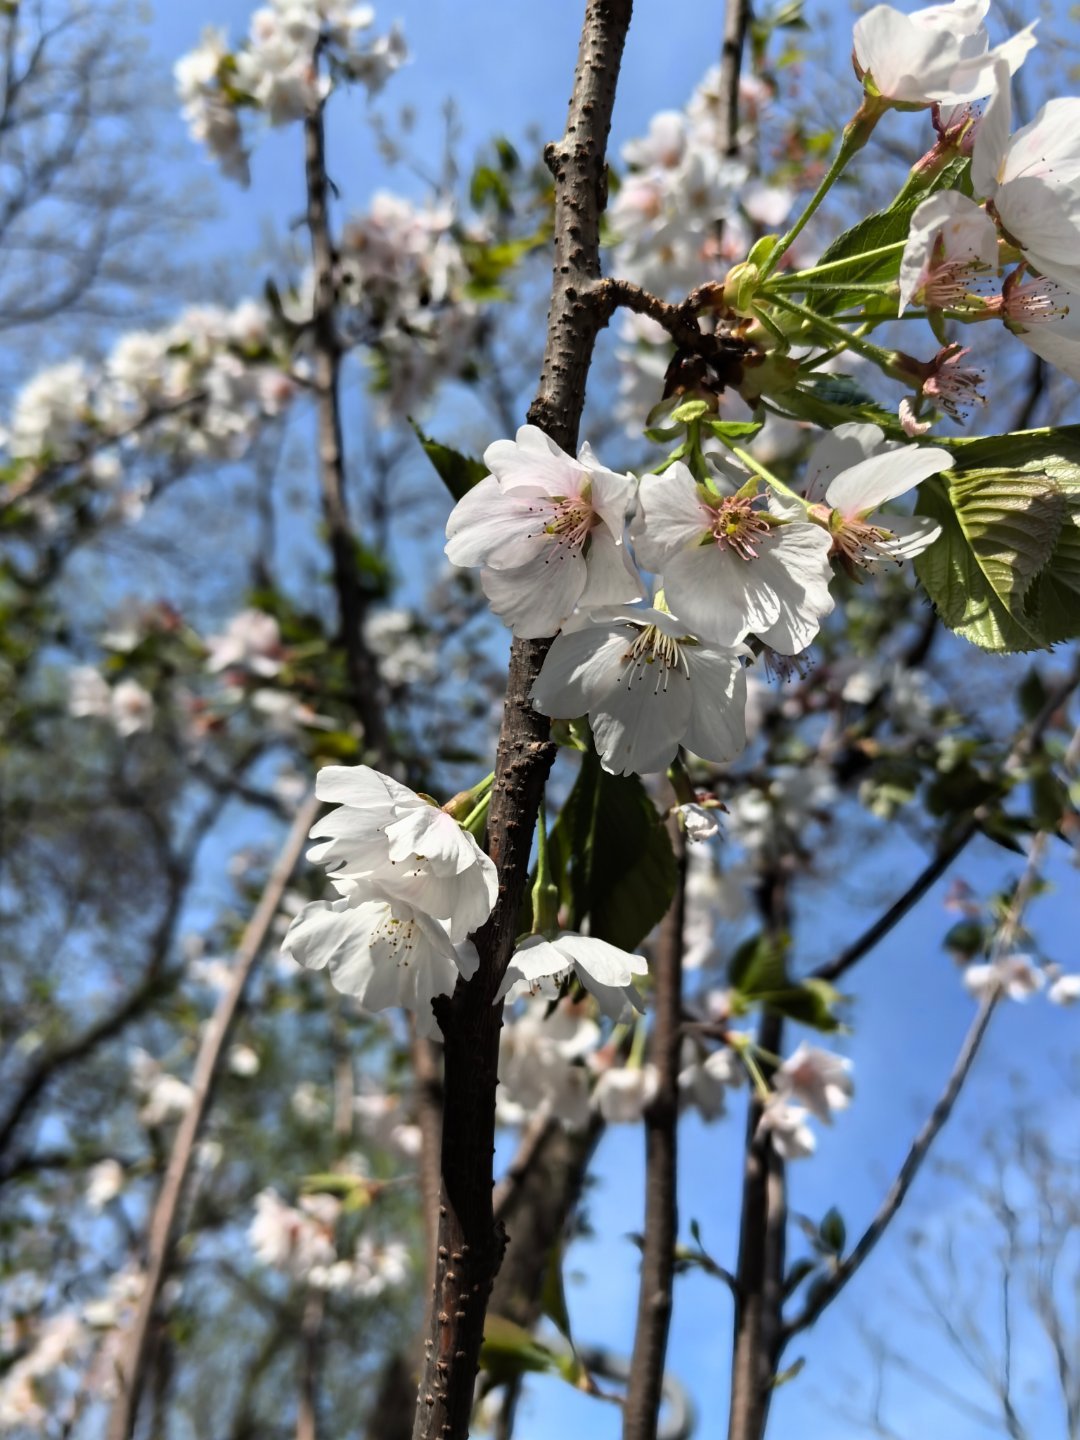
[
  {"x": 717, "y": 726},
  {"x": 881, "y": 478}
]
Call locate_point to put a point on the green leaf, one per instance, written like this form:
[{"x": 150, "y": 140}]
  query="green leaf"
[
  {"x": 832, "y": 1231},
  {"x": 797, "y": 1274},
  {"x": 612, "y": 851},
  {"x": 689, "y": 410},
  {"x": 734, "y": 429},
  {"x": 553, "y": 1296},
  {"x": 509, "y": 1350},
  {"x": 459, "y": 473},
  {"x": 831, "y": 400},
  {"x": 758, "y": 973}
]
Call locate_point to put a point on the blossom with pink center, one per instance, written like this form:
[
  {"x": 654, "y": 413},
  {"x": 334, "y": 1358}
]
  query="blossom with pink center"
[
  {"x": 547, "y": 530},
  {"x": 851, "y": 473},
  {"x": 647, "y": 686},
  {"x": 950, "y": 386},
  {"x": 786, "y": 1125},
  {"x": 951, "y": 242},
  {"x": 251, "y": 641},
  {"x": 730, "y": 566},
  {"x": 1045, "y": 316},
  {"x": 939, "y": 54},
  {"x": 1031, "y": 181}
]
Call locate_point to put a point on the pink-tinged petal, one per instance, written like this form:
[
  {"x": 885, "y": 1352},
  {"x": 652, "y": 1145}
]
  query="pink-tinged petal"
[
  {"x": 490, "y": 527},
  {"x": 721, "y": 596},
  {"x": 843, "y": 447},
  {"x": 580, "y": 668},
  {"x": 1058, "y": 342},
  {"x": 533, "y": 459},
  {"x": 670, "y": 516},
  {"x": 639, "y": 723},
  {"x": 966, "y": 234},
  {"x": 1046, "y": 148},
  {"x": 881, "y": 478},
  {"x": 717, "y": 726},
  {"x": 535, "y": 599},
  {"x": 612, "y": 578},
  {"x": 992, "y": 136}
]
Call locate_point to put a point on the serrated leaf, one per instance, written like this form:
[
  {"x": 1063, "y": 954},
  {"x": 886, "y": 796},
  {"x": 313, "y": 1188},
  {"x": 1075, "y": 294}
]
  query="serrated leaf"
[
  {"x": 459, "y": 473},
  {"x": 613, "y": 855}
]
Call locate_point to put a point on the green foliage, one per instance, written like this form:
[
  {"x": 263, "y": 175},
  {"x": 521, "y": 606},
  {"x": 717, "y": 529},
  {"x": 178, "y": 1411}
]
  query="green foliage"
[
  {"x": 1005, "y": 573},
  {"x": 758, "y": 974},
  {"x": 459, "y": 473},
  {"x": 613, "y": 857},
  {"x": 831, "y": 400}
]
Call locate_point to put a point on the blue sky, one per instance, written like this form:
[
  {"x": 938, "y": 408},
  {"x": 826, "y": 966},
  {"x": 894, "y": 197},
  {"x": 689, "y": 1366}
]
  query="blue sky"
[{"x": 509, "y": 66}]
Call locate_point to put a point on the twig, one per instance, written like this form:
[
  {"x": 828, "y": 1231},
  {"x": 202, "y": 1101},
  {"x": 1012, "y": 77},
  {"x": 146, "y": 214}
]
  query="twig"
[
  {"x": 469, "y": 1243},
  {"x": 528, "y": 1152},
  {"x": 736, "y": 19},
  {"x": 656, "y": 1294},
  {"x": 131, "y": 1366},
  {"x": 1022, "y": 750}
]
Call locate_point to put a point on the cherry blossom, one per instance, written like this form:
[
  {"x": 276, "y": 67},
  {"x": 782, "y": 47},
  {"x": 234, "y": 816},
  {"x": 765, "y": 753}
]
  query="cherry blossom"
[
  {"x": 648, "y": 685},
  {"x": 1031, "y": 181},
  {"x": 1045, "y": 316},
  {"x": 380, "y": 950},
  {"x": 850, "y": 474},
  {"x": 251, "y": 641},
  {"x": 951, "y": 243},
  {"x": 104, "y": 1181},
  {"x": 1014, "y": 976},
  {"x": 291, "y": 1239},
  {"x": 786, "y": 1125},
  {"x": 540, "y": 1069},
  {"x": 816, "y": 1079},
  {"x": 384, "y": 833},
  {"x": 548, "y": 531},
  {"x": 731, "y": 567},
  {"x": 623, "y": 1093},
  {"x": 704, "y": 1083},
  {"x": 539, "y": 966},
  {"x": 1065, "y": 990},
  {"x": 940, "y": 54}
]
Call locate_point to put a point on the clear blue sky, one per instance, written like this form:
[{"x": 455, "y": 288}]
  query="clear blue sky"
[{"x": 509, "y": 66}]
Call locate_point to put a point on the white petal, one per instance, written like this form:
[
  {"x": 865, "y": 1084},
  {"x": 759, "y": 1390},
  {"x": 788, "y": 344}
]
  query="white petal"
[
  {"x": 992, "y": 136},
  {"x": 604, "y": 963},
  {"x": 533, "y": 458},
  {"x": 670, "y": 516},
  {"x": 797, "y": 569},
  {"x": 839, "y": 450},
  {"x": 612, "y": 494},
  {"x": 717, "y": 725},
  {"x": 639, "y": 723},
  {"x": 535, "y": 599},
  {"x": 489, "y": 526},
  {"x": 612, "y": 578},
  {"x": 355, "y": 785},
  {"x": 580, "y": 668},
  {"x": 881, "y": 478},
  {"x": 965, "y": 230},
  {"x": 912, "y": 534},
  {"x": 721, "y": 596}
]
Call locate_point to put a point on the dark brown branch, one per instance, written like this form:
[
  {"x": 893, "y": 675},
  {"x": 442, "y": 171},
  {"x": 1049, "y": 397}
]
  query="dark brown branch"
[
  {"x": 352, "y": 602},
  {"x": 469, "y": 1243},
  {"x": 163, "y": 1223},
  {"x": 736, "y": 19},
  {"x": 656, "y": 1295},
  {"x": 679, "y": 320}
]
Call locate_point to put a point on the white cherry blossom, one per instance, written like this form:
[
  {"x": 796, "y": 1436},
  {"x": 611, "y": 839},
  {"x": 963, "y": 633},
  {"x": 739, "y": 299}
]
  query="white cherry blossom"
[
  {"x": 1014, "y": 976},
  {"x": 815, "y": 1079},
  {"x": 940, "y": 54},
  {"x": 730, "y": 567},
  {"x": 1065, "y": 990},
  {"x": 539, "y": 966},
  {"x": 540, "y": 1069},
  {"x": 385, "y": 833},
  {"x": 623, "y": 1093},
  {"x": 380, "y": 950},
  {"x": 951, "y": 243},
  {"x": 250, "y": 641},
  {"x": 704, "y": 1083},
  {"x": 648, "y": 685},
  {"x": 1045, "y": 316},
  {"x": 786, "y": 1125},
  {"x": 1032, "y": 181},
  {"x": 548, "y": 531}
]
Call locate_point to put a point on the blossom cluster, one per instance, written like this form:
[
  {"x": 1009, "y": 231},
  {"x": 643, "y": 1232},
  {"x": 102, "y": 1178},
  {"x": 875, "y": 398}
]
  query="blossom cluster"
[
  {"x": 301, "y": 1241},
  {"x": 553, "y": 537},
  {"x": 277, "y": 72}
]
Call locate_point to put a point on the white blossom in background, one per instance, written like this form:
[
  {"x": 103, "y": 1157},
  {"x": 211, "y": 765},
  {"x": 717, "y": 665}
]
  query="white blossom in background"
[
  {"x": 1014, "y": 976},
  {"x": 383, "y": 1123},
  {"x": 275, "y": 71},
  {"x": 51, "y": 414},
  {"x": 164, "y": 1096},
  {"x": 406, "y": 656},
  {"x": 243, "y": 1061},
  {"x": 698, "y": 822},
  {"x": 376, "y": 1268},
  {"x": 540, "y": 1069},
  {"x": 624, "y": 1092},
  {"x": 547, "y": 530},
  {"x": 1065, "y": 990},
  {"x": 295, "y": 1240},
  {"x": 941, "y": 54},
  {"x": 88, "y": 693},
  {"x": 250, "y": 641},
  {"x": 767, "y": 821},
  {"x": 1031, "y": 181},
  {"x": 648, "y": 685},
  {"x": 384, "y": 834},
  {"x": 815, "y": 1079},
  {"x": 104, "y": 1182},
  {"x": 730, "y": 567},
  {"x": 786, "y": 1125},
  {"x": 539, "y": 966},
  {"x": 131, "y": 708},
  {"x": 704, "y": 1082},
  {"x": 22, "y": 1397}
]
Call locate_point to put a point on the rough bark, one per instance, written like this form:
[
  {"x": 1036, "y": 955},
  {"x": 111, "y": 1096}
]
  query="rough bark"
[
  {"x": 470, "y": 1244},
  {"x": 656, "y": 1296}
]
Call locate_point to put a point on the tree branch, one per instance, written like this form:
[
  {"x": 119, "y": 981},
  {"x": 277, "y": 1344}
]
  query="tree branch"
[
  {"x": 736, "y": 19},
  {"x": 469, "y": 1243},
  {"x": 656, "y": 1295},
  {"x": 132, "y": 1363}
]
